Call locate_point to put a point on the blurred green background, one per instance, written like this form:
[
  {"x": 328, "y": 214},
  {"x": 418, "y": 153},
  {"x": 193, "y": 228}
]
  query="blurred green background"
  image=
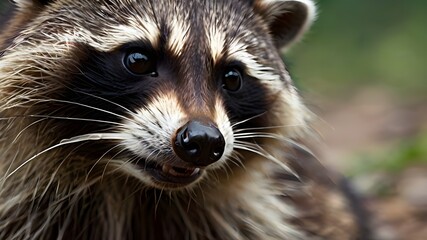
[
  {"x": 369, "y": 55},
  {"x": 362, "y": 69},
  {"x": 355, "y": 43}
]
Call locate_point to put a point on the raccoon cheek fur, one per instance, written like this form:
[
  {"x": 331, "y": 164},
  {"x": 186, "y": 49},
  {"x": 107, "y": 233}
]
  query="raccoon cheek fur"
[{"x": 161, "y": 120}]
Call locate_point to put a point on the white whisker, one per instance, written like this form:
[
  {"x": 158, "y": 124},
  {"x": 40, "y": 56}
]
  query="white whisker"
[
  {"x": 8, "y": 169},
  {"x": 277, "y": 137},
  {"x": 110, "y": 160},
  {"x": 86, "y": 106},
  {"x": 99, "y": 159},
  {"x": 77, "y": 119},
  {"x": 246, "y": 120},
  {"x": 108, "y": 101},
  {"x": 93, "y": 137},
  {"x": 237, "y": 161},
  {"x": 267, "y": 128},
  {"x": 53, "y": 175},
  {"x": 81, "y": 138},
  {"x": 254, "y": 148},
  {"x": 158, "y": 201},
  {"x": 24, "y": 129}
]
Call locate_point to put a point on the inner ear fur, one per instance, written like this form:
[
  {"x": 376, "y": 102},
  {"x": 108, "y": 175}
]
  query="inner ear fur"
[{"x": 287, "y": 20}]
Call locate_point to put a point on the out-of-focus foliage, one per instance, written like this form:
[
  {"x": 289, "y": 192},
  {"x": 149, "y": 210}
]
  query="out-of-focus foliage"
[
  {"x": 355, "y": 43},
  {"x": 407, "y": 153}
]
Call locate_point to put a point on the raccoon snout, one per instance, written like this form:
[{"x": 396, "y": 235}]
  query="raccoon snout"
[{"x": 199, "y": 143}]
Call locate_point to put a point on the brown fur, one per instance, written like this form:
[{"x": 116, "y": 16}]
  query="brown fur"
[{"x": 52, "y": 188}]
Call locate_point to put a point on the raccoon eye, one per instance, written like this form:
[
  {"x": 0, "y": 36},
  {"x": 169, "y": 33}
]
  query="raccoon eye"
[
  {"x": 232, "y": 80},
  {"x": 140, "y": 63}
]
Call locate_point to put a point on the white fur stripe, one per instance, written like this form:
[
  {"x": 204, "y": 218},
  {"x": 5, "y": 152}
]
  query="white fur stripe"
[
  {"x": 216, "y": 39},
  {"x": 223, "y": 123},
  {"x": 114, "y": 37},
  {"x": 178, "y": 36},
  {"x": 267, "y": 75},
  {"x": 155, "y": 123}
]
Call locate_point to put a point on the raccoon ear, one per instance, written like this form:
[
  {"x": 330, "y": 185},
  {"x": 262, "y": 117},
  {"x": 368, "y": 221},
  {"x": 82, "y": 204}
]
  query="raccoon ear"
[
  {"x": 288, "y": 19},
  {"x": 31, "y": 3}
]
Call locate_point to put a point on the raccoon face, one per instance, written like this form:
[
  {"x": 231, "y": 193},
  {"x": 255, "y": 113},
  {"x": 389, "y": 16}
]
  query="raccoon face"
[{"x": 165, "y": 91}]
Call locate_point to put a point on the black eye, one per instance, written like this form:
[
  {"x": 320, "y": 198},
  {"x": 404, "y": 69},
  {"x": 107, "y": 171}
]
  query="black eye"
[
  {"x": 140, "y": 63},
  {"x": 232, "y": 80}
]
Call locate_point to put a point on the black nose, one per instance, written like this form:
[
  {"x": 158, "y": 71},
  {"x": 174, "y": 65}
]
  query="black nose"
[{"x": 199, "y": 143}]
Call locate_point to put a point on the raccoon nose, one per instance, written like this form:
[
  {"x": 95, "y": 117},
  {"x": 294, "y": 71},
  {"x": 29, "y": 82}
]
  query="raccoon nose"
[{"x": 199, "y": 143}]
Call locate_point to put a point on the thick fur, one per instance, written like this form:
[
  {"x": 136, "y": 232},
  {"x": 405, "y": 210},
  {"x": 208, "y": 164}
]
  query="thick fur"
[{"x": 75, "y": 125}]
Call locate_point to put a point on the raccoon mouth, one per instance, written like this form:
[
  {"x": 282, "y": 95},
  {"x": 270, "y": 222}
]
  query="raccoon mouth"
[{"x": 173, "y": 175}]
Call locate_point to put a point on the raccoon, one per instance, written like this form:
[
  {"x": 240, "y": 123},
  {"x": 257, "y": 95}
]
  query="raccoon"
[{"x": 141, "y": 119}]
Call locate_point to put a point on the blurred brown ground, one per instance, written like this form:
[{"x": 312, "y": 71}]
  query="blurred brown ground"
[
  {"x": 369, "y": 121},
  {"x": 362, "y": 70}
]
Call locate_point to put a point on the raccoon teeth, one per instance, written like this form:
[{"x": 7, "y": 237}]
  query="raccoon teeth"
[
  {"x": 196, "y": 171},
  {"x": 179, "y": 172}
]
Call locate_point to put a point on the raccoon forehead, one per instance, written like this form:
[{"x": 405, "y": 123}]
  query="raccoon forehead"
[
  {"x": 106, "y": 31},
  {"x": 220, "y": 30},
  {"x": 169, "y": 23},
  {"x": 97, "y": 25},
  {"x": 109, "y": 25},
  {"x": 105, "y": 38}
]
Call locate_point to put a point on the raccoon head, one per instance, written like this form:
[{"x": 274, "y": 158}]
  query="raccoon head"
[{"x": 165, "y": 91}]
